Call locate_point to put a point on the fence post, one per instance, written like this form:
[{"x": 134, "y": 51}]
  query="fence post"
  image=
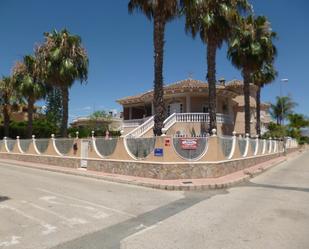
[
  {"x": 5, "y": 139},
  {"x": 164, "y": 131},
  {"x": 18, "y": 144},
  {"x": 247, "y": 144},
  {"x": 257, "y": 145},
  {"x": 34, "y": 145},
  {"x": 233, "y": 145},
  {"x": 54, "y": 145}
]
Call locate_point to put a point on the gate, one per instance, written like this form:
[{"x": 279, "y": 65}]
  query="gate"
[{"x": 84, "y": 153}]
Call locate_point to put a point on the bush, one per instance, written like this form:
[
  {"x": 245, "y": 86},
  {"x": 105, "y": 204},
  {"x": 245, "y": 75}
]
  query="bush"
[
  {"x": 275, "y": 130},
  {"x": 41, "y": 129},
  {"x": 85, "y": 132}
]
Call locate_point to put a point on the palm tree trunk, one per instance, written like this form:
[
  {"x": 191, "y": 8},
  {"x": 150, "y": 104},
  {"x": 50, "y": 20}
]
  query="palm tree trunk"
[
  {"x": 30, "y": 117},
  {"x": 246, "y": 74},
  {"x": 258, "y": 111},
  {"x": 158, "y": 101},
  {"x": 6, "y": 121},
  {"x": 65, "y": 111},
  {"x": 211, "y": 77}
]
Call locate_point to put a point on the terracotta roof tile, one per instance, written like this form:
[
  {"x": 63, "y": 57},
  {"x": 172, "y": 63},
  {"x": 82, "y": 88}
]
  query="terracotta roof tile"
[{"x": 185, "y": 84}]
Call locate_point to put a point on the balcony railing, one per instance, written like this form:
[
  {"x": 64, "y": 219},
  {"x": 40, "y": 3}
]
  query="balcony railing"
[
  {"x": 202, "y": 118},
  {"x": 132, "y": 123}
]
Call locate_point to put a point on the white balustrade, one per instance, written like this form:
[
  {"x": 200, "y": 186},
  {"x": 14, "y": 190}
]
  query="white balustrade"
[
  {"x": 142, "y": 129},
  {"x": 134, "y": 122},
  {"x": 148, "y": 123},
  {"x": 170, "y": 121},
  {"x": 201, "y": 118}
]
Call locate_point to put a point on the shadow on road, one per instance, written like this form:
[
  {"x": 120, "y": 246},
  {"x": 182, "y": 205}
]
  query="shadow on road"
[
  {"x": 258, "y": 185},
  {"x": 111, "y": 237},
  {"x": 4, "y": 198}
]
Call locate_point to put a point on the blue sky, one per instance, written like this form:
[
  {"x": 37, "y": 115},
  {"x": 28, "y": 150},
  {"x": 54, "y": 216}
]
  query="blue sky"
[{"x": 121, "y": 51}]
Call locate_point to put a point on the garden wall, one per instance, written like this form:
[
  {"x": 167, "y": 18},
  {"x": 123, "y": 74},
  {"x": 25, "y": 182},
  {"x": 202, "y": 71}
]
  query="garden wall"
[{"x": 161, "y": 158}]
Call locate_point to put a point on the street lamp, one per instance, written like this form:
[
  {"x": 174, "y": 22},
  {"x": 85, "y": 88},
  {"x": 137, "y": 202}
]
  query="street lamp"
[{"x": 283, "y": 81}]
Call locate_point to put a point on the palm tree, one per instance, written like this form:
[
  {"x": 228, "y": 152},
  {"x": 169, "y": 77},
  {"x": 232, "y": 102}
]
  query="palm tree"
[
  {"x": 262, "y": 77},
  {"x": 8, "y": 97},
  {"x": 214, "y": 21},
  {"x": 249, "y": 48},
  {"x": 161, "y": 11},
  {"x": 282, "y": 108},
  {"x": 26, "y": 78},
  {"x": 298, "y": 121},
  {"x": 62, "y": 61}
]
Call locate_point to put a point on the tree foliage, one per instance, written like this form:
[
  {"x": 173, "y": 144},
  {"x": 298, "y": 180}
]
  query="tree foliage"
[
  {"x": 214, "y": 21},
  {"x": 62, "y": 60},
  {"x": 100, "y": 114},
  {"x": 296, "y": 123},
  {"x": 42, "y": 128},
  {"x": 53, "y": 110},
  {"x": 9, "y": 97},
  {"x": 283, "y": 107},
  {"x": 249, "y": 47},
  {"x": 265, "y": 75},
  {"x": 26, "y": 80},
  {"x": 293, "y": 129},
  {"x": 275, "y": 131},
  {"x": 161, "y": 11}
]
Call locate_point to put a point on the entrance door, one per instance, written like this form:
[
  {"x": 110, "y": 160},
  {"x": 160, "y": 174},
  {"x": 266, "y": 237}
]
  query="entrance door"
[
  {"x": 84, "y": 153},
  {"x": 174, "y": 108}
]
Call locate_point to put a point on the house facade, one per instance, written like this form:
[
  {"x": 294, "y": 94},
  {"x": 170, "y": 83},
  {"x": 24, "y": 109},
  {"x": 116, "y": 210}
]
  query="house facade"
[
  {"x": 19, "y": 113},
  {"x": 186, "y": 104},
  {"x": 112, "y": 122}
]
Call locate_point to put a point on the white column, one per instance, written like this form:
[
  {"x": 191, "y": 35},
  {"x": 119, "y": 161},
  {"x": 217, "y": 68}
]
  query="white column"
[{"x": 188, "y": 103}]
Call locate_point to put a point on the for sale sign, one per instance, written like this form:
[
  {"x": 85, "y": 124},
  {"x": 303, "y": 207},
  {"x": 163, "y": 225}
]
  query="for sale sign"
[
  {"x": 188, "y": 143},
  {"x": 167, "y": 142}
]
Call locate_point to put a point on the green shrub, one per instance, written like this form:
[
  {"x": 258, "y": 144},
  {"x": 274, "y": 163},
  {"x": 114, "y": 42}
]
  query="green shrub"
[
  {"x": 85, "y": 132},
  {"x": 41, "y": 129}
]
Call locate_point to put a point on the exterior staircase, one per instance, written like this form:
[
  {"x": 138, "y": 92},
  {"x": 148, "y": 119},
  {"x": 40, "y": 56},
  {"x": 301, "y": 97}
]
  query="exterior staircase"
[{"x": 176, "y": 118}]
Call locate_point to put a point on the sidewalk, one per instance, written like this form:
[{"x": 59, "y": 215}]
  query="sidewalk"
[{"x": 181, "y": 184}]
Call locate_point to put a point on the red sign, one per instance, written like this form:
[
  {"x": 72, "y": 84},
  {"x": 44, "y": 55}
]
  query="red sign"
[
  {"x": 167, "y": 142},
  {"x": 188, "y": 143}
]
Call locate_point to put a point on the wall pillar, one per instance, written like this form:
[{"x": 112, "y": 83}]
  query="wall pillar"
[
  {"x": 188, "y": 103},
  {"x": 130, "y": 112}
]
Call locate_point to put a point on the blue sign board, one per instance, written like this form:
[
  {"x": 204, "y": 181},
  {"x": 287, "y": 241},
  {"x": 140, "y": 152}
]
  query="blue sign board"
[{"x": 158, "y": 151}]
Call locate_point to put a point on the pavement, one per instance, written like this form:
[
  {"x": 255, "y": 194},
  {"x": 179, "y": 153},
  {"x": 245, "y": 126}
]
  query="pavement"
[
  {"x": 181, "y": 184},
  {"x": 42, "y": 209}
]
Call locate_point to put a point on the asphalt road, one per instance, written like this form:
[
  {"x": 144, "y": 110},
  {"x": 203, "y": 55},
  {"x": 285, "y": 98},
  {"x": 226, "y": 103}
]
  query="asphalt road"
[{"x": 40, "y": 209}]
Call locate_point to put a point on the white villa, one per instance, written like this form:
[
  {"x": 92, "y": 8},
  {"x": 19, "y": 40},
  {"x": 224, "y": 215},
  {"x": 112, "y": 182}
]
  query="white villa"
[{"x": 187, "y": 109}]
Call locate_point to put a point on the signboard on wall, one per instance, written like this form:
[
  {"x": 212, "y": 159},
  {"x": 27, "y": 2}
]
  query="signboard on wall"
[
  {"x": 188, "y": 143},
  {"x": 158, "y": 152},
  {"x": 167, "y": 142}
]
